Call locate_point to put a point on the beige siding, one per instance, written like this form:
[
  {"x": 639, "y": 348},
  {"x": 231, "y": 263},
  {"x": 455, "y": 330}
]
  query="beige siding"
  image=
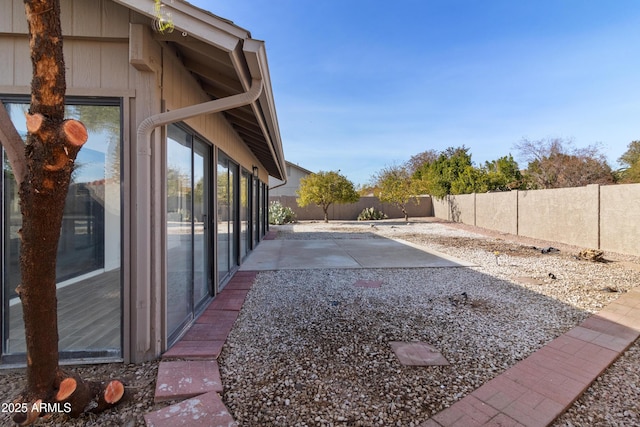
[
  {"x": 114, "y": 73},
  {"x": 6, "y": 17},
  {"x": 98, "y": 65},
  {"x": 91, "y": 62},
  {"x": 6, "y": 60},
  {"x": 79, "y": 18}
]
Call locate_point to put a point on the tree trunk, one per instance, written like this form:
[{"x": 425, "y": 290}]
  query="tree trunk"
[
  {"x": 42, "y": 197},
  {"x": 51, "y": 148}
]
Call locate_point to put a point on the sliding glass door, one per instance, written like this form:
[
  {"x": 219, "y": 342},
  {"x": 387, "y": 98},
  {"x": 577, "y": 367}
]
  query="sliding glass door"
[
  {"x": 88, "y": 267},
  {"x": 228, "y": 224},
  {"x": 188, "y": 178}
]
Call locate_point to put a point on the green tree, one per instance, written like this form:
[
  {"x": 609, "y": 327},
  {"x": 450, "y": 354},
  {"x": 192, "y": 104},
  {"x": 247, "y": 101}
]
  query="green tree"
[
  {"x": 324, "y": 189},
  {"x": 452, "y": 173},
  {"x": 503, "y": 174},
  {"x": 395, "y": 185},
  {"x": 631, "y": 162}
]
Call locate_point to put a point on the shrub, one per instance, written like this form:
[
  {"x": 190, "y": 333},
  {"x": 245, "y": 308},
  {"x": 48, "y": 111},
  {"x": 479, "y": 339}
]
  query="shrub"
[
  {"x": 279, "y": 214},
  {"x": 369, "y": 214}
]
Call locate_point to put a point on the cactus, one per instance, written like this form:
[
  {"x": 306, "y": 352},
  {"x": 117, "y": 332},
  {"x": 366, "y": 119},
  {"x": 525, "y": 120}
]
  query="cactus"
[
  {"x": 279, "y": 214},
  {"x": 372, "y": 213}
]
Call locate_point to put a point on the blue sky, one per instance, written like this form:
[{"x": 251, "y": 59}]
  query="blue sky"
[{"x": 363, "y": 84}]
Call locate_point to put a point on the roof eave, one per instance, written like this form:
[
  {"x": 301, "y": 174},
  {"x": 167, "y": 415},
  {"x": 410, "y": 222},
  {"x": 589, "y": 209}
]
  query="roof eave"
[{"x": 247, "y": 55}]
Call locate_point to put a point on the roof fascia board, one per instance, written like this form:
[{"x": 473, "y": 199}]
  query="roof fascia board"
[
  {"x": 194, "y": 22},
  {"x": 255, "y": 53}
]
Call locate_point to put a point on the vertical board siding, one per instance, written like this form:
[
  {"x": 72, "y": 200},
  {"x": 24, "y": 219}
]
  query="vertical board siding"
[
  {"x": 22, "y": 62},
  {"x": 7, "y": 59},
  {"x": 114, "y": 73},
  {"x": 6, "y": 17},
  {"x": 115, "y": 20},
  {"x": 66, "y": 16},
  {"x": 86, "y": 17},
  {"x": 85, "y": 64},
  {"x": 80, "y": 18},
  {"x": 19, "y": 24}
]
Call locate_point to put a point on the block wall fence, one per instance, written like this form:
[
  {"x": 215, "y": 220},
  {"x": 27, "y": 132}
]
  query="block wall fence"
[
  {"x": 350, "y": 211},
  {"x": 605, "y": 217}
]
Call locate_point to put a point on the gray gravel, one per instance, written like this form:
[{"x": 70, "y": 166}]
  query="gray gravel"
[{"x": 309, "y": 349}]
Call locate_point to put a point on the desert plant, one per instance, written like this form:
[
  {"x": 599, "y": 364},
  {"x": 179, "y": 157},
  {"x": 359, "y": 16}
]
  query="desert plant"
[
  {"x": 369, "y": 214},
  {"x": 280, "y": 214}
]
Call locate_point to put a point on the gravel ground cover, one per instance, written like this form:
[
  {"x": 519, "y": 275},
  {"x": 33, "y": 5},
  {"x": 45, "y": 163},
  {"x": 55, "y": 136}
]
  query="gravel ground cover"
[{"x": 310, "y": 349}]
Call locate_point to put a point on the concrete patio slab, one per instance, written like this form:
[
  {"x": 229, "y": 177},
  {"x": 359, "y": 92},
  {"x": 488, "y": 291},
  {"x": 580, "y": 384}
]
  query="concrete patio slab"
[{"x": 345, "y": 253}]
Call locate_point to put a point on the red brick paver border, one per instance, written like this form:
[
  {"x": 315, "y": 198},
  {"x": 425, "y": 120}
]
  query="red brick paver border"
[
  {"x": 535, "y": 391},
  {"x": 198, "y": 376},
  {"x": 206, "y": 410}
]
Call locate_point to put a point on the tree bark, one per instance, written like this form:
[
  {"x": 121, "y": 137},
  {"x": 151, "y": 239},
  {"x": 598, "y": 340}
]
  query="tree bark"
[
  {"x": 50, "y": 151},
  {"x": 42, "y": 197}
]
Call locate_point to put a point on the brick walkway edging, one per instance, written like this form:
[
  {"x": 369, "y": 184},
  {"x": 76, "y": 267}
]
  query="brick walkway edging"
[
  {"x": 532, "y": 393},
  {"x": 538, "y": 389}
]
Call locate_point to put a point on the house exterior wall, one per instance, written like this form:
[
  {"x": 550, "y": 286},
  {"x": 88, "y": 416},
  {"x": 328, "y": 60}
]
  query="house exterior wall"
[
  {"x": 95, "y": 45},
  {"x": 96, "y": 50},
  {"x": 100, "y": 36}
]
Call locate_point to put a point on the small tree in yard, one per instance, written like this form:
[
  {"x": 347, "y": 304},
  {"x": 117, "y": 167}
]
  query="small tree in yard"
[
  {"x": 42, "y": 168},
  {"x": 324, "y": 189},
  {"x": 396, "y": 186}
]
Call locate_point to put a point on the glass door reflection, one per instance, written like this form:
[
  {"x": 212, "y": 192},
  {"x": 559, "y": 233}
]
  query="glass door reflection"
[{"x": 188, "y": 178}]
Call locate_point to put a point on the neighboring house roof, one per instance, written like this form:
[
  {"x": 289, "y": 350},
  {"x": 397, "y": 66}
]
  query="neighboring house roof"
[
  {"x": 300, "y": 168},
  {"x": 225, "y": 59}
]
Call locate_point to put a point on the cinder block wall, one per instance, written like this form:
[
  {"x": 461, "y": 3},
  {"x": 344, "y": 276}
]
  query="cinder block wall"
[
  {"x": 620, "y": 218},
  {"x": 351, "y": 211},
  {"x": 498, "y": 211},
  {"x": 566, "y": 215},
  {"x": 601, "y": 217}
]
